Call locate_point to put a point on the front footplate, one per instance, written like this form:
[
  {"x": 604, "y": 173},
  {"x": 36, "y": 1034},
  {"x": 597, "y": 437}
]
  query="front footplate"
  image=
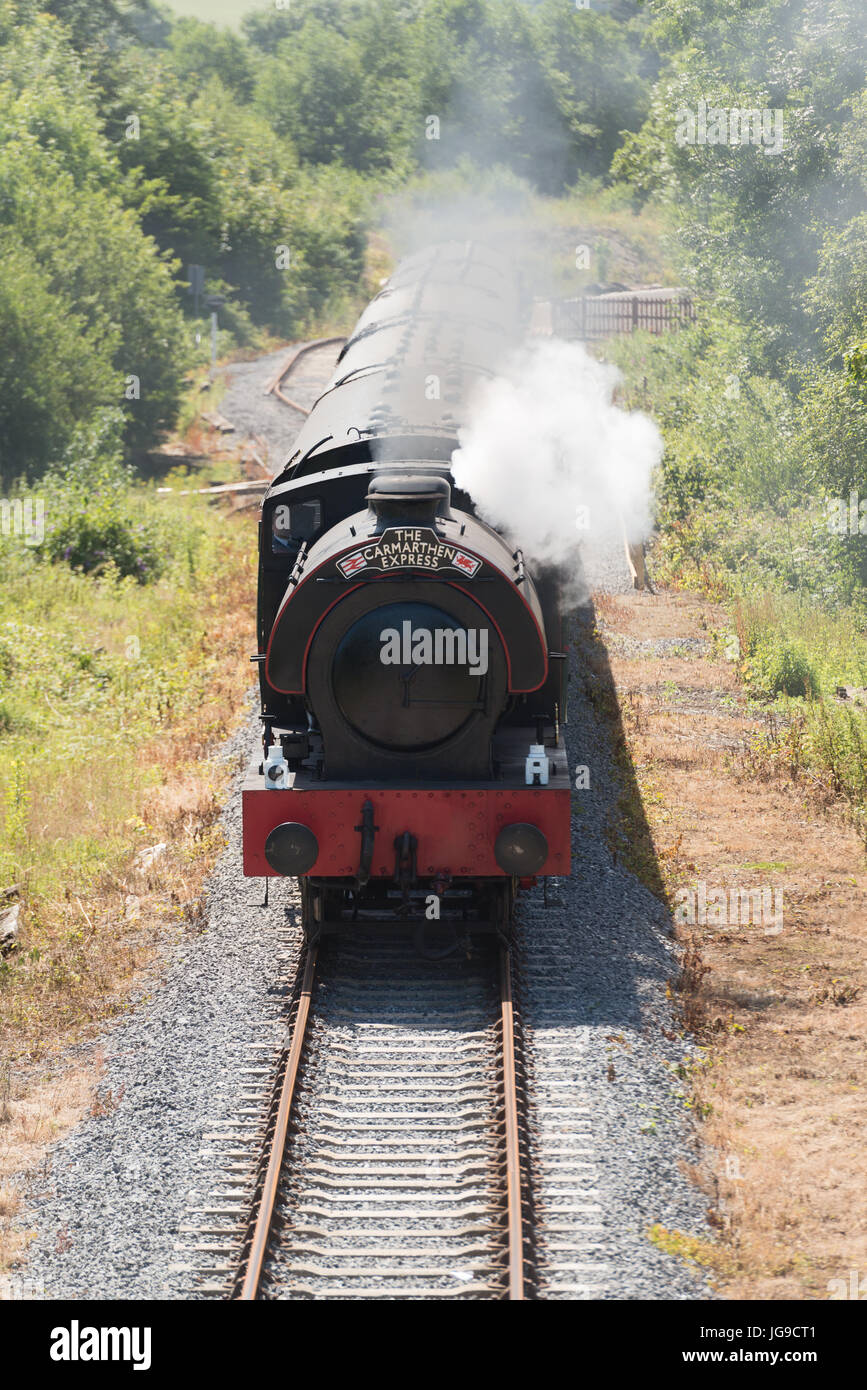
[{"x": 455, "y": 826}]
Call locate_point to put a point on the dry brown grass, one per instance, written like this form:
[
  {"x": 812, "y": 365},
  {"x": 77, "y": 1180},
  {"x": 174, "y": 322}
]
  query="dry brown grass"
[
  {"x": 35, "y": 1116},
  {"x": 783, "y": 1018}
]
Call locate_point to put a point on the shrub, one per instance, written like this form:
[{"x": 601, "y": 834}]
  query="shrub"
[
  {"x": 780, "y": 666},
  {"x": 95, "y": 536},
  {"x": 96, "y": 518}
]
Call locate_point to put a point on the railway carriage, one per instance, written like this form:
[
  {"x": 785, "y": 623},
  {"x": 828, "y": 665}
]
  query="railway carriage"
[{"x": 411, "y": 667}]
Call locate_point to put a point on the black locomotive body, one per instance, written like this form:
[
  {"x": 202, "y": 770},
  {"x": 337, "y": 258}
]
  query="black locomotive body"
[{"x": 411, "y": 668}]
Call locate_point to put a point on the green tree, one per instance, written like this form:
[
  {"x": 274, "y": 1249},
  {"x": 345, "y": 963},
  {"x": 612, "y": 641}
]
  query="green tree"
[
  {"x": 201, "y": 51},
  {"x": 599, "y": 75},
  {"x": 64, "y": 223},
  {"x": 55, "y": 369}
]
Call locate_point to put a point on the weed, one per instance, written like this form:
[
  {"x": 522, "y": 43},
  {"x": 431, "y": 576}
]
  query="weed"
[{"x": 691, "y": 1249}]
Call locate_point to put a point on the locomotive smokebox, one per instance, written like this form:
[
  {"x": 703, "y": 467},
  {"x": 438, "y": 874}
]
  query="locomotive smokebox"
[{"x": 408, "y": 499}]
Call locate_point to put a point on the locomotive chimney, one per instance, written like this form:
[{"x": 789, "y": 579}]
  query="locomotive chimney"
[{"x": 408, "y": 499}]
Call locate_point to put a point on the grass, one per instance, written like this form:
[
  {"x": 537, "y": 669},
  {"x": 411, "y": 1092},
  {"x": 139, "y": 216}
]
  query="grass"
[
  {"x": 795, "y": 651},
  {"x": 112, "y": 694},
  {"x": 124, "y": 641},
  {"x": 779, "y": 1019},
  {"x": 624, "y": 246},
  {"x": 773, "y": 627},
  {"x": 741, "y": 522},
  {"x": 797, "y": 655}
]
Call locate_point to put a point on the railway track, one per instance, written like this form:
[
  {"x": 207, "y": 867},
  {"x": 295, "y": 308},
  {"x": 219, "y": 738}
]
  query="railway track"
[
  {"x": 395, "y": 1155},
  {"x": 287, "y": 367}
]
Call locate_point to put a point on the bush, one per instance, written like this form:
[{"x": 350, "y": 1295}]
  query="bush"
[
  {"x": 96, "y": 518},
  {"x": 837, "y": 741},
  {"x": 779, "y": 666},
  {"x": 54, "y": 369},
  {"x": 96, "y": 536}
]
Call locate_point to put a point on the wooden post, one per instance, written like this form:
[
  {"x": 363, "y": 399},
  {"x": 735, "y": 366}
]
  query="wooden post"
[{"x": 634, "y": 559}]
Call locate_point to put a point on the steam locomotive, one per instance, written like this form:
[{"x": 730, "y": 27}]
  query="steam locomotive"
[{"x": 411, "y": 668}]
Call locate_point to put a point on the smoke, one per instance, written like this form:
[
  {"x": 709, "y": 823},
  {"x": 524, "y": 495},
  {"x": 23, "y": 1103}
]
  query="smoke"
[
  {"x": 552, "y": 462},
  {"x": 548, "y": 458}
]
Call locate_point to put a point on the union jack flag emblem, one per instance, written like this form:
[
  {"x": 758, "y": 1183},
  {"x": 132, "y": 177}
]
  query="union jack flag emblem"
[
  {"x": 352, "y": 563},
  {"x": 468, "y": 563}
]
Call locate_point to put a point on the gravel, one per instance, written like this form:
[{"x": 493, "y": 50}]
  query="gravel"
[
  {"x": 108, "y": 1216},
  {"x": 604, "y": 571},
  {"x": 623, "y": 645},
  {"x": 109, "y": 1211},
  {"x": 594, "y": 967},
  {"x": 246, "y": 406}
]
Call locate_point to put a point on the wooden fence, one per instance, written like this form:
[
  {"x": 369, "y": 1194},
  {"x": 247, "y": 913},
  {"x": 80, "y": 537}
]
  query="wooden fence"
[{"x": 592, "y": 317}]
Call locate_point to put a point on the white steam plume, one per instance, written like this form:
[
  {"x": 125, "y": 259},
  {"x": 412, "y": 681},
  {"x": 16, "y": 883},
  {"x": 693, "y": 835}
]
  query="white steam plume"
[{"x": 553, "y": 463}]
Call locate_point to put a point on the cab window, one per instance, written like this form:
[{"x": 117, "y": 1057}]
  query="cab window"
[{"x": 294, "y": 522}]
